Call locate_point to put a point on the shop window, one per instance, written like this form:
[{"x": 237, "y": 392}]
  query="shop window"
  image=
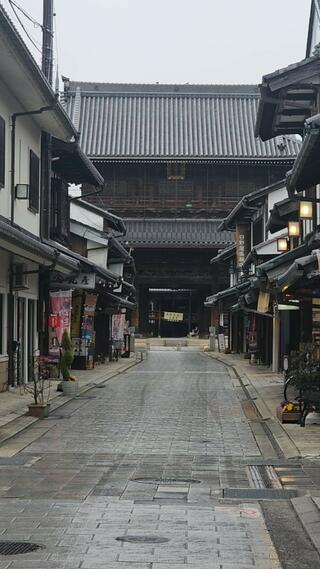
[
  {"x": 34, "y": 181},
  {"x": 2, "y": 151},
  {"x": 176, "y": 171}
]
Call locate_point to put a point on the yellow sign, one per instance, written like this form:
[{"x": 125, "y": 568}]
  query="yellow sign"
[{"x": 173, "y": 316}]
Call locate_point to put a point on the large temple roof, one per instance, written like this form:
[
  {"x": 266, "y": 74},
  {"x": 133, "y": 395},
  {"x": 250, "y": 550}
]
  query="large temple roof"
[
  {"x": 172, "y": 122},
  {"x": 159, "y": 232}
]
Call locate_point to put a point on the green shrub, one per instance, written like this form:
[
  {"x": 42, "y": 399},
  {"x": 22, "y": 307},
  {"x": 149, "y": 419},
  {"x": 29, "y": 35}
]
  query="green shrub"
[{"x": 67, "y": 355}]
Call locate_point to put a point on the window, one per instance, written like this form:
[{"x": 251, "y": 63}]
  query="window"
[
  {"x": 60, "y": 220},
  {"x": 176, "y": 171},
  {"x": 2, "y": 150},
  {"x": 34, "y": 178}
]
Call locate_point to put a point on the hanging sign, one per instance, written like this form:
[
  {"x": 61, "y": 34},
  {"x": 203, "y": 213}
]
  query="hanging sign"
[
  {"x": 263, "y": 302},
  {"x": 173, "y": 316},
  {"x": 81, "y": 280},
  {"x": 242, "y": 243}
]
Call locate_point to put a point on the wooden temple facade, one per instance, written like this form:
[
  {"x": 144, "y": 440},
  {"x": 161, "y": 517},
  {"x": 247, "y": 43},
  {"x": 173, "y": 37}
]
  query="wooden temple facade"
[{"x": 176, "y": 159}]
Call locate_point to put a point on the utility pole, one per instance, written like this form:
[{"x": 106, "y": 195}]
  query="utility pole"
[
  {"x": 45, "y": 188},
  {"x": 47, "y": 40}
]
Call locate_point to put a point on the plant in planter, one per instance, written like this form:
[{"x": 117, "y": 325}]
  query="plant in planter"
[
  {"x": 303, "y": 378},
  {"x": 39, "y": 387},
  {"x": 70, "y": 384}
]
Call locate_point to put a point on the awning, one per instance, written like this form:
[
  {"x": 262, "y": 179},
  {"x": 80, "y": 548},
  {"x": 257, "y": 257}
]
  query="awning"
[
  {"x": 227, "y": 297},
  {"x": 282, "y": 212},
  {"x": 118, "y": 250},
  {"x": 119, "y": 301},
  {"x": 298, "y": 269},
  {"x": 19, "y": 242},
  {"x": 73, "y": 165},
  {"x": 306, "y": 169},
  {"x": 86, "y": 264},
  {"x": 224, "y": 255}
]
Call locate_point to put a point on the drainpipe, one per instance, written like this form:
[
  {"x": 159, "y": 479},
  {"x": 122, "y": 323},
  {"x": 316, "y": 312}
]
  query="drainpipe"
[{"x": 10, "y": 325}]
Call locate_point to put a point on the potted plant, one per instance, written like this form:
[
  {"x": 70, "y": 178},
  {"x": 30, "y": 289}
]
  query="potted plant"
[
  {"x": 70, "y": 385},
  {"x": 39, "y": 387},
  {"x": 303, "y": 381}
]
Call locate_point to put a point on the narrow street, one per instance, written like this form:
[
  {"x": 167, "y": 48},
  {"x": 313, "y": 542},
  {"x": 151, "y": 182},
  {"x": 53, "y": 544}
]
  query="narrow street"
[{"x": 162, "y": 467}]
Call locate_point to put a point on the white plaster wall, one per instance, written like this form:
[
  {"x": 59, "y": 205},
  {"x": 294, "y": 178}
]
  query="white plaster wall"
[
  {"x": 82, "y": 215},
  {"x": 28, "y": 136},
  {"x": 96, "y": 254}
]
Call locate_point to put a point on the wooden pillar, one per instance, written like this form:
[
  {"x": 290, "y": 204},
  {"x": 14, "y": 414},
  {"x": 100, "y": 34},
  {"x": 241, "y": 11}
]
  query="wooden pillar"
[{"x": 275, "y": 340}]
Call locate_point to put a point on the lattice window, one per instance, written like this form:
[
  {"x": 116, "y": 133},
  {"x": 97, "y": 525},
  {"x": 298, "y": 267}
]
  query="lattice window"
[{"x": 176, "y": 171}]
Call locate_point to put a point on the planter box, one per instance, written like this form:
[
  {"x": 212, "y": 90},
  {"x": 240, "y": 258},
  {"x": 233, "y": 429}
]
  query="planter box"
[
  {"x": 288, "y": 417},
  {"x": 70, "y": 388},
  {"x": 39, "y": 410}
]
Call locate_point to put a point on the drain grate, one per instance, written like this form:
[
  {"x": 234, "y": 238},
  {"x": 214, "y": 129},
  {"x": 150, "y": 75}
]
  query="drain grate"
[
  {"x": 142, "y": 539},
  {"x": 167, "y": 481},
  {"x": 262, "y": 476},
  {"x": 17, "y": 547},
  {"x": 259, "y": 493},
  {"x": 54, "y": 417},
  {"x": 100, "y": 386},
  {"x": 86, "y": 397}
]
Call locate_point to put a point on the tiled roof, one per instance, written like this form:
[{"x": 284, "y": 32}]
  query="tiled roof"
[
  {"x": 211, "y": 122},
  {"x": 176, "y": 232}
]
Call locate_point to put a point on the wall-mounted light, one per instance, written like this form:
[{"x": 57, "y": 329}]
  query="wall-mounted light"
[
  {"x": 305, "y": 210},
  {"x": 294, "y": 229},
  {"x": 22, "y": 191},
  {"x": 282, "y": 244}
]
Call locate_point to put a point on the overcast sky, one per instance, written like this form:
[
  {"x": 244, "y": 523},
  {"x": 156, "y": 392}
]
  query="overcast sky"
[{"x": 173, "y": 41}]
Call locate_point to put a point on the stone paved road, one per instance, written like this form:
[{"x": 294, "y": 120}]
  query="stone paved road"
[{"x": 144, "y": 460}]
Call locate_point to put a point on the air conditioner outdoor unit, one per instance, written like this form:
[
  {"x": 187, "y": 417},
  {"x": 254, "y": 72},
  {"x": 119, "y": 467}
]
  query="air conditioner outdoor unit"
[{"x": 20, "y": 278}]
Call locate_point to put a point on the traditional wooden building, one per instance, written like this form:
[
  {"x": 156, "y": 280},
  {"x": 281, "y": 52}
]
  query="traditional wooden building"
[{"x": 175, "y": 160}]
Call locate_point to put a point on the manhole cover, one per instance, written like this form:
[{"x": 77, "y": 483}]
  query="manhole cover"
[
  {"x": 167, "y": 481},
  {"x": 142, "y": 539},
  {"x": 259, "y": 493},
  {"x": 17, "y": 547}
]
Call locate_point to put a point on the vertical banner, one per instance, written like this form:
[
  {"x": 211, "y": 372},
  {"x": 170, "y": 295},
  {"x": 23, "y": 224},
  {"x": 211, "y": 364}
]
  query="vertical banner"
[
  {"x": 89, "y": 308},
  {"x": 59, "y": 319},
  {"x": 118, "y": 324},
  {"x": 242, "y": 242},
  {"x": 77, "y": 298}
]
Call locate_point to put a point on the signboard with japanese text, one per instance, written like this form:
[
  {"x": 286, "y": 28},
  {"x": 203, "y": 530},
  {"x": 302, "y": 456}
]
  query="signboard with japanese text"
[
  {"x": 173, "y": 316},
  {"x": 242, "y": 242},
  {"x": 59, "y": 319},
  {"x": 81, "y": 280}
]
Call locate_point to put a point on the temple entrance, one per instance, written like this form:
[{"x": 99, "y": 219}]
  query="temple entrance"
[{"x": 172, "y": 312}]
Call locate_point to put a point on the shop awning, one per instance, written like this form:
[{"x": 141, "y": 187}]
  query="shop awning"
[
  {"x": 89, "y": 266},
  {"x": 23, "y": 244},
  {"x": 224, "y": 256},
  {"x": 282, "y": 212},
  {"x": 227, "y": 297},
  {"x": 300, "y": 268},
  {"x": 117, "y": 251},
  {"x": 73, "y": 165},
  {"x": 119, "y": 301},
  {"x": 306, "y": 169}
]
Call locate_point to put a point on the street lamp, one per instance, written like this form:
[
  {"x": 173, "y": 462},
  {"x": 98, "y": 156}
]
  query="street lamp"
[
  {"x": 294, "y": 229},
  {"x": 305, "y": 210},
  {"x": 282, "y": 244}
]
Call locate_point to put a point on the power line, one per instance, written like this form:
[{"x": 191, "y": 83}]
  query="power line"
[
  {"x": 12, "y": 4},
  {"x": 28, "y": 16}
]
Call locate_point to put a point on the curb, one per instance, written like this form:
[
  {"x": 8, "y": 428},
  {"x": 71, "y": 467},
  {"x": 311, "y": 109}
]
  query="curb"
[
  {"x": 285, "y": 443},
  {"x": 307, "y": 510},
  {"x": 57, "y": 402}
]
